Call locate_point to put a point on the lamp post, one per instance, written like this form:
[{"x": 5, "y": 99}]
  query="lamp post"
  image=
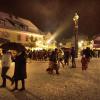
[{"x": 75, "y": 19}]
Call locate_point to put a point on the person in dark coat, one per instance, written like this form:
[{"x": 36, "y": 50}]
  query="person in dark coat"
[
  {"x": 20, "y": 70},
  {"x": 87, "y": 53},
  {"x": 53, "y": 58},
  {"x": 66, "y": 56},
  {"x": 73, "y": 57}
]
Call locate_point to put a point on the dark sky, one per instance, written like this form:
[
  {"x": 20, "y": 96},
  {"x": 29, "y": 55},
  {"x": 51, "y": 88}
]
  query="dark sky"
[{"x": 50, "y": 15}]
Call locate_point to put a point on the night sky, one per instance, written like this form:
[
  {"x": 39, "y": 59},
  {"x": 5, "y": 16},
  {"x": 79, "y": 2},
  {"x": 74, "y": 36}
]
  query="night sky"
[{"x": 50, "y": 15}]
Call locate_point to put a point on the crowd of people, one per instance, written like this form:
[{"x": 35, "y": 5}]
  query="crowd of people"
[
  {"x": 60, "y": 57},
  {"x": 57, "y": 58}
]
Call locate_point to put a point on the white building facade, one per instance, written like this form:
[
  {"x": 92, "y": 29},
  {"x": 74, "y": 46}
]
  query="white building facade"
[{"x": 15, "y": 29}]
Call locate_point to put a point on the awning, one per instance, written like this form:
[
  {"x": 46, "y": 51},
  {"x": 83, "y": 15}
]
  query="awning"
[
  {"x": 96, "y": 42},
  {"x": 96, "y": 46}
]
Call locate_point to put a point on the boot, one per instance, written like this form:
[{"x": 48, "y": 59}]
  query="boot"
[
  {"x": 23, "y": 85},
  {"x": 16, "y": 86},
  {"x": 4, "y": 83}
]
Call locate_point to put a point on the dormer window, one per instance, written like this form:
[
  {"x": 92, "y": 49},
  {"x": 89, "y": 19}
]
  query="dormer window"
[{"x": 2, "y": 22}]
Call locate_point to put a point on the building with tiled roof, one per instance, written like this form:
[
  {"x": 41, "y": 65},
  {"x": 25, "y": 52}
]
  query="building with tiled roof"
[{"x": 16, "y": 29}]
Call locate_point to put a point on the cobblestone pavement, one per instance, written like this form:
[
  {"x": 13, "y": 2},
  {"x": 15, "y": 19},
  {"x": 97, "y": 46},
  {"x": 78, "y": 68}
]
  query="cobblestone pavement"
[{"x": 70, "y": 84}]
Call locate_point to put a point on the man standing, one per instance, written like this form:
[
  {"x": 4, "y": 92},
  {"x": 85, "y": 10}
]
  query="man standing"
[
  {"x": 5, "y": 61},
  {"x": 73, "y": 53},
  {"x": 66, "y": 56}
]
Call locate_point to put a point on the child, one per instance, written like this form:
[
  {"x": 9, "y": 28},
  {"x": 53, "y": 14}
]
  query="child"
[{"x": 84, "y": 62}]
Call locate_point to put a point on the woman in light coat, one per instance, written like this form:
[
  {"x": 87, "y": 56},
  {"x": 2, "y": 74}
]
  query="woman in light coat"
[{"x": 6, "y": 62}]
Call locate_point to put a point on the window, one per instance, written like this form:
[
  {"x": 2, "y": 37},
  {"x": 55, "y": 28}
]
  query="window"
[
  {"x": 27, "y": 38},
  {"x": 19, "y": 37},
  {"x": 2, "y": 22},
  {"x": 31, "y": 38}
]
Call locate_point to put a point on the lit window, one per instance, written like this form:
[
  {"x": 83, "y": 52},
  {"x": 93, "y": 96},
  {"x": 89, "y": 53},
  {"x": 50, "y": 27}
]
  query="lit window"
[{"x": 19, "y": 37}]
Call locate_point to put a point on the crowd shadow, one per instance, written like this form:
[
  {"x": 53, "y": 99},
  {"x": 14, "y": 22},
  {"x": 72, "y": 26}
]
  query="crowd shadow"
[{"x": 24, "y": 95}]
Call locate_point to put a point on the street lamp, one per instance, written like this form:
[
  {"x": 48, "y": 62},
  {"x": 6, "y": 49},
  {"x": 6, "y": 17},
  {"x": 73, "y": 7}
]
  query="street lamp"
[{"x": 75, "y": 19}]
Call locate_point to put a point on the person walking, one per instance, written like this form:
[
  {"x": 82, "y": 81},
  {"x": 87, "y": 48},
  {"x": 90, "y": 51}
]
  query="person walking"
[
  {"x": 6, "y": 63},
  {"x": 20, "y": 70},
  {"x": 60, "y": 57},
  {"x": 53, "y": 62}
]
